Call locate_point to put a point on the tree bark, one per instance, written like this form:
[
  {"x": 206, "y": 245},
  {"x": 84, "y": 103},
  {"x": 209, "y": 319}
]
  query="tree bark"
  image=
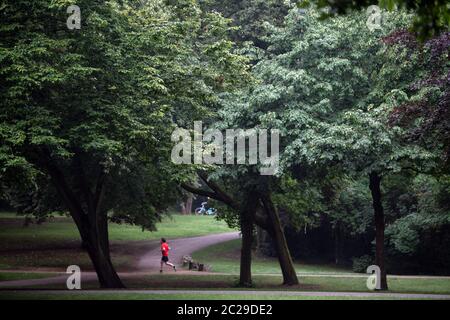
[
  {"x": 245, "y": 277},
  {"x": 337, "y": 243},
  {"x": 92, "y": 226},
  {"x": 284, "y": 256},
  {"x": 270, "y": 225},
  {"x": 188, "y": 205},
  {"x": 375, "y": 188},
  {"x": 247, "y": 220},
  {"x": 98, "y": 250}
]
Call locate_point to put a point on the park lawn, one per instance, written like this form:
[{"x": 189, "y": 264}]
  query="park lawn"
[
  {"x": 56, "y": 243},
  {"x": 10, "y": 276},
  {"x": 307, "y": 283},
  {"x": 63, "y": 229},
  {"x": 224, "y": 258},
  {"x": 146, "y": 296},
  {"x": 269, "y": 282}
]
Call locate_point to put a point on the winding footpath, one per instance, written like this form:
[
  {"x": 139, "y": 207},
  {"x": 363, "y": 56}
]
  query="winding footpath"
[{"x": 149, "y": 263}]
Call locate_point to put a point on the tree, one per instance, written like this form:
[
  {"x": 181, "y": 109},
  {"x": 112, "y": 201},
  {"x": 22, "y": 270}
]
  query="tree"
[
  {"x": 425, "y": 112},
  {"x": 249, "y": 204},
  {"x": 238, "y": 187},
  {"x": 88, "y": 113},
  {"x": 253, "y": 20},
  {"x": 430, "y": 17},
  {"x": 326, "y": 89}
]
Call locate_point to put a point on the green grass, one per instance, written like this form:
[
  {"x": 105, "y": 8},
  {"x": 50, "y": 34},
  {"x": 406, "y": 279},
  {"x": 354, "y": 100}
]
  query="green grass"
[
  {"x": 10, "y": 276},
  {"x": 307, "y": 283},
  {"x": 9, "y": 215},
  {"x": 224, "y": 258},
  {"x": 56, "y": 243},
  {"x": 144, "y": 296},
  {"x": 267, "y": 282},
  {"x": 176, "y": 226}
]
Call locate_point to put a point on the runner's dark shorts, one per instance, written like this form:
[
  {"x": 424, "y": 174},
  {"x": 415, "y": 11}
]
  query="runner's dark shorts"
[{"x": 164, "y": 259}]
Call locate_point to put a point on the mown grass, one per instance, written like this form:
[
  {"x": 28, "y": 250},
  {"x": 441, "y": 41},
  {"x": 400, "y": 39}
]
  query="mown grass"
[
  {"x": 268, "y": 282},
  {"x": 56, "y": 243},
  {"x": 175, "y": 296},
  {"x": 224, "y": 258},
  {"x": 10, "y": 276},
  {"x": 58, "y": 229},
  {"x": 307, "y": 283}
]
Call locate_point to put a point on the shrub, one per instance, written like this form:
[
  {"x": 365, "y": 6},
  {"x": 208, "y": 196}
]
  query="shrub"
[{"x": 360, "y": 264}]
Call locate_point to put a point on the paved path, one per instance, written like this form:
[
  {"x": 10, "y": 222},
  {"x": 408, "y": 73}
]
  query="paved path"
[
  {"x": 182, "y": 247},
  {"x": 368, "y": 295},
  {"x": 148, "y": 263}
]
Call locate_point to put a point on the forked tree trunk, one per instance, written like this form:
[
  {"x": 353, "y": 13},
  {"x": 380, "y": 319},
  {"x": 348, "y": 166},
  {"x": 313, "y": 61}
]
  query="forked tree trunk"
[
  {"x": 94, "y": 232},
  {"x": 91, "y": 222},
  {"x": 277, "y": 233},
  {"x": 375, "y": 188}
]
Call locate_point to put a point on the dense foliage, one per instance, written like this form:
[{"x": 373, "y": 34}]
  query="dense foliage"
[{"x": 87, "y": 116}]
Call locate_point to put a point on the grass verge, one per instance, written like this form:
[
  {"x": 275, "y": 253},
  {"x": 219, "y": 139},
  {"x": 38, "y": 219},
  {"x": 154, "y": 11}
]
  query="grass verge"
[
  {"x": 224, "y": 258},
  {"x": 56, "y": 244}
]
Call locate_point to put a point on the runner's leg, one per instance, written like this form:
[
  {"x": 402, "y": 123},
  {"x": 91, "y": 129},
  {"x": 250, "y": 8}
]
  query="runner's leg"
[{"x": 171, "y": 265}]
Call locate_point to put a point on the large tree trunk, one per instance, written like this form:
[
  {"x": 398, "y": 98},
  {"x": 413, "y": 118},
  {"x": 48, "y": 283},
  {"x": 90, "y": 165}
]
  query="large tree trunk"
[
  {"x": 277, "y": 233},
  {"x": 188, "y": 205},
  {"x": 375, "y": 188},
  {"x": 247, "y": 218},
  {"x": 107, "y": 275},
  {"x": 337, "y": 243},
  {"x": 245, "y": 277},
  {"x": 94, "y": 233},
  {"x": 92, "y": 226}
]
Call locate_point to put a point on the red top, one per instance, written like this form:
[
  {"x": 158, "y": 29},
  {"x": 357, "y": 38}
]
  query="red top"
[{"x": 165, "y": 249}]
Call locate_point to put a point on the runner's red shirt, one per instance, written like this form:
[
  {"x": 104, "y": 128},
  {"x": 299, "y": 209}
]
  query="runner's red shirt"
[{"x": 165, "y": 249}]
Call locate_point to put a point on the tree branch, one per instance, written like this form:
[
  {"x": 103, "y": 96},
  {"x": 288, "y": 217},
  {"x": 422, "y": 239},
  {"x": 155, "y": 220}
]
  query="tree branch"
[
  {"x": 201, "y": 192},
  {"x": 225, "y": 198}
]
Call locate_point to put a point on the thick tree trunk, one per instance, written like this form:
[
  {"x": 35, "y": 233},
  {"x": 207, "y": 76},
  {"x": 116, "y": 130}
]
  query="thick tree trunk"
[
  {"x": 94, "y": 234},
  {"x": 277, "y": 233},
  {"x": 337, "y": 243},
  {"x": 91, "y": 222},
  {"x": 188, "y": 205},
  {"x": 375, "y": 188},
  {"x": 245, "y": 278},
  {"x": 107, "y": 275},
  {"x": 247, "y": 220}
]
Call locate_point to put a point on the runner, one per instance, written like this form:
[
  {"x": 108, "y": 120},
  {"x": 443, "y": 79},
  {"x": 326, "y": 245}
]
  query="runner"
[{"x": 165, "y": 255}]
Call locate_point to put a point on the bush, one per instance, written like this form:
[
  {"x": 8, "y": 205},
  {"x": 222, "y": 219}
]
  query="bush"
[{"x": 360, "y": 264}]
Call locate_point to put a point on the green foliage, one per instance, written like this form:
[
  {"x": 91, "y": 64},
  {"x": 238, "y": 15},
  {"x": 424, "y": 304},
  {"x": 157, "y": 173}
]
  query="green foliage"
[
  {"x": 301, "y": 200},
  {"x": 253, "y": 20},
  {"x": 360, "y": 264},
  {"x": 329, "y": 86},
  {"x": 99, "y": 104},
  {"x": 427, "y": 215},
  {"x": 430, "y": 17}
]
